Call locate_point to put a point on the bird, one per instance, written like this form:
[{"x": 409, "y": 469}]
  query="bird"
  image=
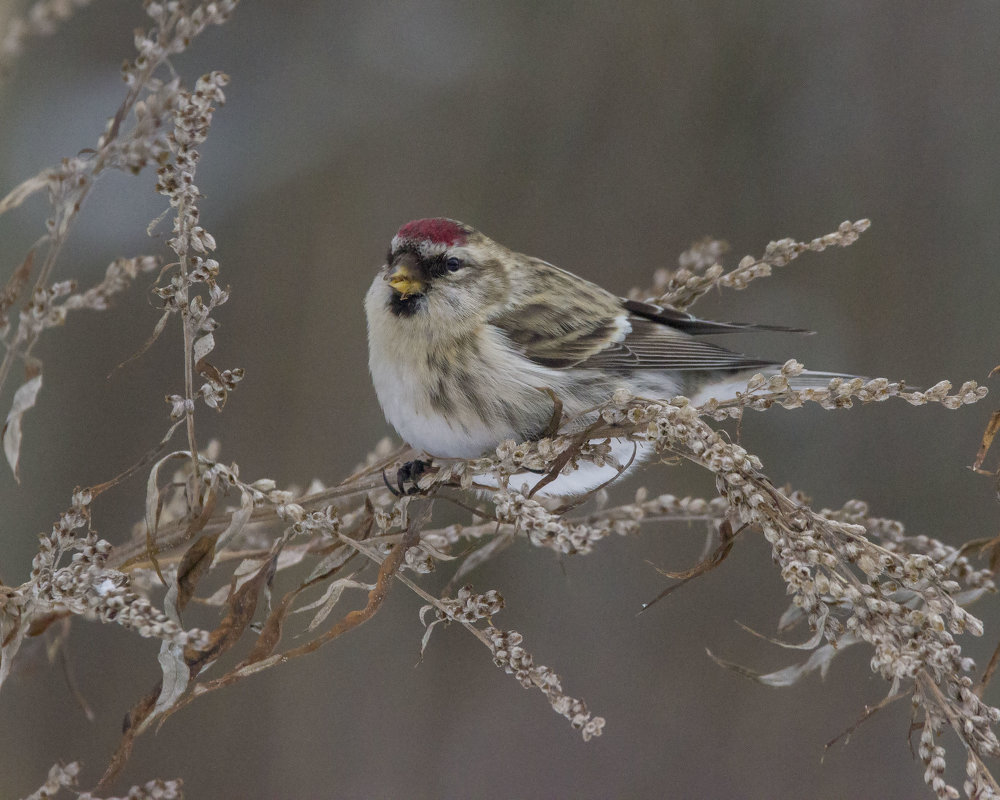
[{"x": 470, "y": 342}]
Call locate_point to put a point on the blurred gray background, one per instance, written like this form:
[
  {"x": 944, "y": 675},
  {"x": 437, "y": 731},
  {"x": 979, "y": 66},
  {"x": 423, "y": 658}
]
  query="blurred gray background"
[{"x": 604, "y": 138}]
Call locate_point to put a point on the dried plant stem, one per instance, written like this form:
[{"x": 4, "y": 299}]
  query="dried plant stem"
[
  {"x": 77, "y": 180},
  {"x": 991, "y": 668},
  {"x": 10, "y": 352},
  {"x": 418, "y": 590},
  {"x": 853, "y": 578},
  {"x": 934, "y": 701},
  {"x": 186, "y": 325}
]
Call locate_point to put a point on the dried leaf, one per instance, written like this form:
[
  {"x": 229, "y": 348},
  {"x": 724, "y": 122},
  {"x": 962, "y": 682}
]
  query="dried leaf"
[
  {"x": 429, "y": 629},
  {"x": 11, "y": 643},
  {"x": 180, "y": 665},
  {"x": 154, "y": 504},
  {"x": 196, "y": 561},
  {"x": 870, "y": 711},
  {"x": 261, "y": 657},
  {"x": 811, "y": 644},
  {"x": 240, "y": 672},
  {"x": 436, "y": 552},
  {"x": 792, "y": 616},
  {"x": 208, "y": 371},
  {"x": 161, "y": 323},
  {"x": 271, "y": 630},
  {"x": 216, "y": 598},
  {"x": 330, "y": 598},
  {"x": 203, "y": 346},
  {"x": 246, "y": 570},
  {"x": 193, "y": 563},
  {"x": 118, "y": 119},
  {"x": 991, "y": 668},
  {"x": 727, "y": 537},
  {"x": 242, "y": 605},
  {"x": 819, "y": 659},
  {"x": 992, "y": 428},
  {"x": 11, "y": 291},
  {"x": 291, "y": 556},
  {"x": 176, "y": 676},
  {"x": 130, "y": 729},
  {"x": 60, "y": 642},
  {"x": 146, "y": 459},
  {"x": 236, "y": 522},
  {"x": 477, "y": 558},
  {"x": 22, "y": 192},
  {"x": 270, "y": 633},
  {"x": 24, "y": 399},
  {"x": 987, "y": 548},
  {"x": 330, "y": 563}
]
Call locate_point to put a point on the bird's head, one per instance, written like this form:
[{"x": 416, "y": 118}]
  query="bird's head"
[{"x": 443, "y": 268}]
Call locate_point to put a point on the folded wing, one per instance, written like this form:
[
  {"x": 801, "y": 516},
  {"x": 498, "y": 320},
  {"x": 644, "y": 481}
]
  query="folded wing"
[{"x": 611, "y": 334}]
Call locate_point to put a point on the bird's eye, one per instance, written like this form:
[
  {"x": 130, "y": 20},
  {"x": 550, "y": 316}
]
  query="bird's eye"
[{"x": 454, "y": 264}]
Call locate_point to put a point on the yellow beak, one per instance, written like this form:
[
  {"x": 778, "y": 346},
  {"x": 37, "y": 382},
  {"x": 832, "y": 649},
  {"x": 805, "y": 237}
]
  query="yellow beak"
[{"x": 404, "y": 281}]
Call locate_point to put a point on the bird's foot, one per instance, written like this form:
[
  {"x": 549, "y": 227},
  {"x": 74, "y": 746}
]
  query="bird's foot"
[{"x": 408, "y": 473}]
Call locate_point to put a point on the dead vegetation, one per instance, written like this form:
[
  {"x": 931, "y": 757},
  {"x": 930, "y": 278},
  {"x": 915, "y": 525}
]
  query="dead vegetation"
[{"x": 209, "y": 536}]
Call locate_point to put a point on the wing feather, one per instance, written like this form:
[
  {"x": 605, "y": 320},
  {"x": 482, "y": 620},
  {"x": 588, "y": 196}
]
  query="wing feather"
[
  {"x": 656, "y": 345},
  {"x": 597, "y": 330},
  {"x": 689, "y": 323},
  {"x": 559, "y": 320}
]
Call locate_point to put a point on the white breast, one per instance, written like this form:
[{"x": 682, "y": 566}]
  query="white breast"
[
  {"x": 497, "y": 400},
  {"x": 406, "y": 404}
]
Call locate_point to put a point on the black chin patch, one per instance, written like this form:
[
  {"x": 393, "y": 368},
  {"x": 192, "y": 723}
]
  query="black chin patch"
[{"x": 407, "y": 306}]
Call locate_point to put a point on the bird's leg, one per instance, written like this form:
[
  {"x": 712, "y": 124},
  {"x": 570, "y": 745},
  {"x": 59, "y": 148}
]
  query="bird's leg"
[
  {"x": 389, "y": 486},
  {"x": 410, "y": 472}
]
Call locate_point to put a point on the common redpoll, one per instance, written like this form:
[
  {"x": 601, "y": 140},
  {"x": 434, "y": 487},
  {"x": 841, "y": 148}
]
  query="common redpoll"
[{"x": 465, "y": 337}]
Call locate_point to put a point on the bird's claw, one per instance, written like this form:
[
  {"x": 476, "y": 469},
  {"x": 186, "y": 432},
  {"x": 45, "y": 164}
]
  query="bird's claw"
[{"x": 410, "y": 472}]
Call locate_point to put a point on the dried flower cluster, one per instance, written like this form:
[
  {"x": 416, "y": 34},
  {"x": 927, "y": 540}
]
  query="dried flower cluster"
[
  {"x": 175, "y": 179},
  {"x": 42, "y": 19},
  {"x": 85, "y": 586},
  {"x": 900, "y": 603},
  {"x": 65, "y": 777},
  {"x": 149, "y": 105},
  {"x": 701, "y": 267},
  {"x": 547, "y": 529},
  {"x": 208, "y": 533},
  {"x": 512, "y": 658}
]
